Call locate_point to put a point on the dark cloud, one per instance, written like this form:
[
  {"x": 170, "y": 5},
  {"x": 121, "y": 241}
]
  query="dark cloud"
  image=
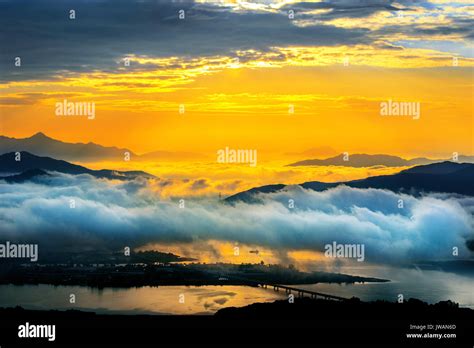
[
  {"x": 229, "y": 186},
  {"x": 353, "y": 8},
  {"x": 340, "y": 8},
  {"x": 33, "y": 98},
  {"x": 199, "y": 184},
  {"x": 458, "y": 27},
  {"x": 10, "y": 101},
  {"x": 50, "y": 44}
]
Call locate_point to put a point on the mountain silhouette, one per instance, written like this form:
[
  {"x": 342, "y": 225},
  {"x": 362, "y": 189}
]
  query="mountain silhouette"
[
  {"x": 445, "y": 177},
  {"x": 25, "y": 176},
  {"x": 29, "y": 166},
  {"x": 438, "y": 168},
  {"x": 42, "y": 145},
  {"x": 364, "y": 160}
]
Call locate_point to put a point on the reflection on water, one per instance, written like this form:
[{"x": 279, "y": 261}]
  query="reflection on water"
[
  {"x": 164, "y": 299},
  {"x": 429, "y": 286}
]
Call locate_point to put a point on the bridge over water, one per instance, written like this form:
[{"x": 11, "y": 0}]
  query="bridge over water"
[
  {"x": 302, "y": 292},
  {"x": 290, "y": 289}
]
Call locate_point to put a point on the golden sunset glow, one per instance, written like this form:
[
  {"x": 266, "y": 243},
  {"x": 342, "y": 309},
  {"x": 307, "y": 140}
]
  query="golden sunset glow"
[
  {"x": 306, "y": 160},
  {"x": 250, "y": 106},
  {"x": 312, "y": 90}
]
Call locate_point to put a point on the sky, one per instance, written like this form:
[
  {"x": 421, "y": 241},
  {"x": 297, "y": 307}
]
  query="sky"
[
  {"x": 238, "y": 68},
  {"x": 284, "y": 78}
]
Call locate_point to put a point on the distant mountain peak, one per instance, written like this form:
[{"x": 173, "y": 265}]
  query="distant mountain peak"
[
  {"x": 32, "y": 165},
  {"x": 39, "y": 135},
  {"x": 445, "y": 167},
  {"x": 357, "y": 160},
  {"x": 42, "y": 145},
  {"x": 444, "y": 177}
]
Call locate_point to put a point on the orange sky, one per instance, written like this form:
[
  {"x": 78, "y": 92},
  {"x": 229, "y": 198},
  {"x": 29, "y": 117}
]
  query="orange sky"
[
  {"x": 247, "y": 77},
  {"x": 241, "y": 97},
  {"x": 334, "y": 106}
]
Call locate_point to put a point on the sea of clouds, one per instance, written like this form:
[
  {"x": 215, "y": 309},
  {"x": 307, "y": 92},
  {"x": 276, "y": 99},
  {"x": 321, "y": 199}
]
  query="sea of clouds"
[{"x": 112, "y": 214}]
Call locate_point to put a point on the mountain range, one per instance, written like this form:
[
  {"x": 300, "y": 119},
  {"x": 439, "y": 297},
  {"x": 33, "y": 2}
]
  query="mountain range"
[
  {"x": 444, "y": 177},
  {"x": 42, "y": 145},
  {"x": 364, "y": 160},
  {"x": 29, "y": 166}
]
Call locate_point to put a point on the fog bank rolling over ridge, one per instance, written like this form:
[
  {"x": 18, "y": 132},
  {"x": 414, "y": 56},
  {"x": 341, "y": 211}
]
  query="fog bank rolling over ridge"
[
  {"x": 447, "y": 177},
  {"x": 112, "y": 214}
]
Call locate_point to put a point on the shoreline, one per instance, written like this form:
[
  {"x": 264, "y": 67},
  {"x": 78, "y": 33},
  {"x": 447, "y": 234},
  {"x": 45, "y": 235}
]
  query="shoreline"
[{"x": 352, "y": 321}]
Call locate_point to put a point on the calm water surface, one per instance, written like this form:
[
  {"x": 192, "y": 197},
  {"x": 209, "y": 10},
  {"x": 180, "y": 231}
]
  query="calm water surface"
[{"x": 429, "y": 286}]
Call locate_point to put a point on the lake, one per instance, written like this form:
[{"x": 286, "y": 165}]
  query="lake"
[{"x": 429, "y": 286}]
